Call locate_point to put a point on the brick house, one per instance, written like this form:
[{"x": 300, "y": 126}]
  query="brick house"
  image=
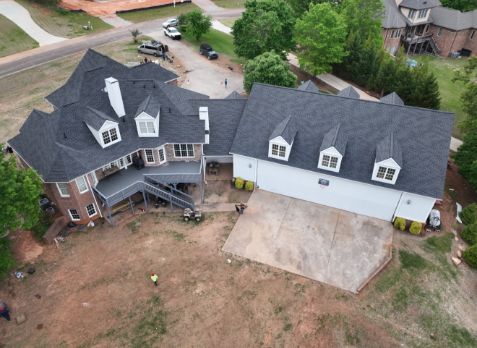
[{"x": 427, "y": 26}]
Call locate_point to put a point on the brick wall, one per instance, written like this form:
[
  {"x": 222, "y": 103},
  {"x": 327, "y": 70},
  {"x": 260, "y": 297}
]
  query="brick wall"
[
  {"x": 395, "y": 41},
  {"x": 445, "y": 41},
  {"x": 170, "y": 153},
  {"x": 156, "y": 158}
]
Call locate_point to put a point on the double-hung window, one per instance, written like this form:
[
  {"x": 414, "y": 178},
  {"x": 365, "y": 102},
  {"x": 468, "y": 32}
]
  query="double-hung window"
[
  {"x": 82, "y": 186},
  {"x": 110, "y": 136},
  {"x": 183, "y": 150},
  {"x": 439, "y": 33},
  {"x": 392, "y": 33},
  {"x": 147, "y": 127},
  {"x": 329, "y": 161},
  {"x": 149, "y": 156},
  {"x": 91, "y": 210},
  {"x": 125, "y": 161},
  {"x": 398, "y": 34},
  {"x": 385, "y": 173},
  {"x": 411, "y": 14},
  {"x": 94, "y": 178},
  {"x": 422, "y": 13},
  {"x": 278, "y": 150},
  {"x": 162, "y": 155},
  {"x": 63, "y": 189},
  {"x": 74, "y": 214}
]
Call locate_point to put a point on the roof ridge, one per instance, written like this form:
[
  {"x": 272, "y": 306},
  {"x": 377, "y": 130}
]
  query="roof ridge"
[{"x": 333, "y": 142}]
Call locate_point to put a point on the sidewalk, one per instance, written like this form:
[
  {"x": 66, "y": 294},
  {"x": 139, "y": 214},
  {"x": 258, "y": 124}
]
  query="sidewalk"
[{"x": 21, "y": 17}]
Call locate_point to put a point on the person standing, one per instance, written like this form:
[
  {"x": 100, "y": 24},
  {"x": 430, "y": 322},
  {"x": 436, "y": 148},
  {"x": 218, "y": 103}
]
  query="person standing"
[
  {"x": 225, "y": 83},
  {"x": 154, "y": 278}
]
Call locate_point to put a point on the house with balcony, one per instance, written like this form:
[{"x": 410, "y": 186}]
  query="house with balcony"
[{"x": 426, "y": 26}]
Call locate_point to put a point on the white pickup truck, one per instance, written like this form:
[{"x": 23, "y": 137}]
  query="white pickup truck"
[{"x": 173, "y": 33}]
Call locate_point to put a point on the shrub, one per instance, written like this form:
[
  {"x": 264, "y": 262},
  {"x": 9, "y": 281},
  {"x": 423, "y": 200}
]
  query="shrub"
[
  {"x": 468, "y": 215},
  {"x": 470, "y": 256},
  {"x": 249, "y": 186},
  {"x": 469, "y": 234},
  {"x": 400, "y": 223},
  {"x": 135, "y": 33},
  {"x": 415, "y": 228},
  {"x": 239, "y": 183}
]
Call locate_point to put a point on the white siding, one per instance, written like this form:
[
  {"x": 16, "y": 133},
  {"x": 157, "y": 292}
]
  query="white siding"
[
  {"x": 219, "y": 159},
  {"x": 342, "y": 194},
  {"x": 244, "y": 167},
  {"x": 417, "y": 210}
]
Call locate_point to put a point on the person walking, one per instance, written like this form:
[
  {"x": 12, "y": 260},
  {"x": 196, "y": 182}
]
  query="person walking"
[
  {"x": 225, "y": 83},
  {"x": 154, "y": 278}
]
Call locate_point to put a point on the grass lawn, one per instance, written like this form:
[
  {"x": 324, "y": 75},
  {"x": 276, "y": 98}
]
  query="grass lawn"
[
  {"x": 229, "y": 3},
  {"x": 450, "y": 92},
  {"x": 221, "y": 42},
  {"x": 63, "y": 23},
  {"x": 13, "y": 39},
  {"x": 164, "y": 12},
  {"x": 228, "y": 22}
]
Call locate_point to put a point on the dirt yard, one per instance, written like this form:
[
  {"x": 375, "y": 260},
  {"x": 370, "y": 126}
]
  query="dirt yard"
[
  {"x": 110, "y": 7},
  {"x": 96, "y": 291}
]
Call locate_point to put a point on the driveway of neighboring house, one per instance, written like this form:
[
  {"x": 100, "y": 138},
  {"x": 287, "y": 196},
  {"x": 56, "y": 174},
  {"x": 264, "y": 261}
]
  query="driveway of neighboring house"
[
  {"x": 21, "y": 17},
  {"x": 332, "y": 246},
  {"x": 206, "y": 77}
]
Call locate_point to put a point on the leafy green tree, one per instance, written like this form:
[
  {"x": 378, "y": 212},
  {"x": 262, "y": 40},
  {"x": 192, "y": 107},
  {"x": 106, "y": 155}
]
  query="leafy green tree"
[
  {"x": 301, "y": 6},
  {"x": 427, "y": 93},
  {"x": 466, "y": 157},
  {"x": 468, "y": 96},
  {"x": 265, "y": 26},
  {"x": 6, "y": 261},
  {"x": 195, "y": 23},
  {"x": 461, "y": 5},
  {"x": 321, "y": 36},
  {"x": 349, "y": 64},
  {"x": 19, "y": 191},
  {"x": 364, "y": 17},
  {"x": 386, "y": 78},
  {"x": 268, "y": 68},
  {"x": 368, "y": 65},
  {"x": 405, "y": 86}
]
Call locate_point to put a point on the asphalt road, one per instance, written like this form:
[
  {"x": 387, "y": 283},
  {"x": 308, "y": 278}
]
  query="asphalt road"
[{"x": 26, "y": 60}]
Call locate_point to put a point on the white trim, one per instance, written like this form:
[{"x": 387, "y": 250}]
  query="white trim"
[
  {"x": 388, "y": 167},
  {"x": 332, "y": 153},
  {"x": 145, "y": 155},
  {"x": 79, "y": 218},
  {"x": 287, "y": 147},
  {"x": 94, "y": 197},
  {"x": 85, "y": 184},
  {"x": 108, "y": 130},
  {"x": 61, "y": 194},
  {"x": 95, "y": 211},
  {"x": 94, "y": 178},
  {"x": 163, "y": 152},
  {"x": 180, "y": 149}
]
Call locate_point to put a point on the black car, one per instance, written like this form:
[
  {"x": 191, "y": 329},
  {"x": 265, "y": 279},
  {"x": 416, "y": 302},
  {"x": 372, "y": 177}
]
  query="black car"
[{"x": 208, "y": 51}]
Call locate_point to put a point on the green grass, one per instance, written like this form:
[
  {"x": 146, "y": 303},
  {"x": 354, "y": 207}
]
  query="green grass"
[
  {"x": 230, "y": 3},
  {"x": 164, "y": 12},
  {"x": 228, "y": 22},
  {"x": 63, "y": 23},
  {"x": 13, "y": 39},
  {"x": 221, "y": 42},
  {"x": 450, "y": 92}
]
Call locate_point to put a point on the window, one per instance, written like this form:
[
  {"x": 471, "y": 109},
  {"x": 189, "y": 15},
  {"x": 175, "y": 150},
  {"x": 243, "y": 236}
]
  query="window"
[
  {"x": 74, "y": 214},
  {"x": 147, "y": 127},
  {"x": 422, "y": 13},
  {"x": 125, "y": 161},
  {"x": 439, "y": 33},
  {"x": 392, "y": 34},
  {"x": 398, "y": 34},
  {"x": 149, "y": 156},
  {"x": 386, "y": 173},
  {"x": 411, "y": 14},
  {"x": 110, "y": 136},
  {"x": 472, "y": 35},
  {"x": 278, "y": 150},
  {"x": 63, "y": 189},
  {"x": 329, "y": 161},
  {"x": 427, "y": 28},
  {"x": 183, "y": 150},
  {"x": 94, "y": 178},
  {"x": 162, "y": 155},
  {"x": 81, "y": 183},
  {"x": 393, "y": 50},
  {"x": 91, "y": 210}
]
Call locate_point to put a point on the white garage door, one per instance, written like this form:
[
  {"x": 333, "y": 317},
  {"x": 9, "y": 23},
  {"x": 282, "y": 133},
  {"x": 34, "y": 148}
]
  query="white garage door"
[{"x": 343, "y": 194}]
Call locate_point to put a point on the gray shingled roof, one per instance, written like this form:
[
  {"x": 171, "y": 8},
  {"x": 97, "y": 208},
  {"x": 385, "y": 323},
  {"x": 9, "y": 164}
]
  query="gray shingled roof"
[
  {"x": 95, "y": 118},
  {"x": 393, "y": 18},
  {"x": 285, "y": 129},
  {"x": 224, "y": 117},
  {"x": 151, "y": 106},
  {"x": 61, "y": 147},
  {"x": 365, "y": 124},
  {"x": 389, "y": 148},
  {"x": 234, "y": 95},
  {"x": 417, "y": 4},
  {"x": 335, "y": 138},
  {"x": 454, "y": 19},
  {"x": 392, "y": 98},
  {"x": 349, "y": 92},
  {"x": 151, "y": 70},
  {"x": 309, "y": 86}
]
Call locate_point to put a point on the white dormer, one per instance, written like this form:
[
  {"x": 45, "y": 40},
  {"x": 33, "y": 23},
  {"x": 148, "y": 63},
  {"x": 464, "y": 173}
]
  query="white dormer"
[
  {"x": 281, "y": 141},
  {"x": 104, "y": 129},
  {"x": 147, "y": 118},
  {"x": 388, "y": 162},
  {"x": 332, "y": 149}
]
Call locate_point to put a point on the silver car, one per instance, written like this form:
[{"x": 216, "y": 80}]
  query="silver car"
[{"x": 170, "y": 23}]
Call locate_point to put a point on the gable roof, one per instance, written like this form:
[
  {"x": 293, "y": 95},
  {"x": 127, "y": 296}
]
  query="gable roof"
[
  {"x": 285, "y": 129},
  {"x": 95, "y": 118},
  {"x": 392, "y": 98},
  {"x": 454, "y": 19},
  {"x": 151, "y": 106},
  {"x": 365, "y": 124},
  {"x": 234, "y": 95},
  {"x": 151, "y": 70},
  {"x": 349, "y": 92},
  {"x": 417, "y": 4},
  {"x": 389, "y": 148},
  {"x": 334, "y": 138},
  {"x": 393, "y": 17},
  {"x": 308, "y": 86}
]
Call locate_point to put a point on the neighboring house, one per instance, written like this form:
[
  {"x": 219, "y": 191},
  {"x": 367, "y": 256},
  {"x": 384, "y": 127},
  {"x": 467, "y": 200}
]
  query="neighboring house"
[
  {"x": 115, "y": 133},
  {"x": 427, "y": 26}
]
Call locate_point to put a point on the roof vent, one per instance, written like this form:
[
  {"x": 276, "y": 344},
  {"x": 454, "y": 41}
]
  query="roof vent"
[
  {"x": 64, "y": 135},
  {"x": 425, "y": 2}
]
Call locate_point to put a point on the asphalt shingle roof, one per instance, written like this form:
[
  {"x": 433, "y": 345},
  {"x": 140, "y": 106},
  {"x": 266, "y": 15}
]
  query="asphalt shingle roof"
[
  {"x": 417, "y": 4},
  {"x": 285, "y": 129},
  {"x": 365, "y": 123},
  {"x": 392, "y": 98},
  {"x": 309, "y": 86},
  {"x": 95, "y": 118},
  {"x": 234, "y": 95},
  {"x": 349, "y": 92},
  {"x": 454, "y": 19},
  {"x": 389, "y": 148},
  {"x": 151, "y": 106},
  {"x": 335, "y": 138}
]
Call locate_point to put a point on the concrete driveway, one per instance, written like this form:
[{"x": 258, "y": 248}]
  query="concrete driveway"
[{"x": 325, "y": 244}]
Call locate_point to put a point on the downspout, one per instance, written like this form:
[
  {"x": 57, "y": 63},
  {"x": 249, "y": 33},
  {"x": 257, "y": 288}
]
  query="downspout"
[
  {"x": 94, "y": 196},
  {"x": 256, "y": 174}
]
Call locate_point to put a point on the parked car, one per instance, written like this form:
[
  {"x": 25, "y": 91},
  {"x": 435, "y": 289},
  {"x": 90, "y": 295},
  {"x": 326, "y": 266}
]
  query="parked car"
[
  {"x": 170, "y": 23},
  {"x": 173, "y": 33},
  {"x": 155, "y": 48},
  {"x": 208, "y": 51}
]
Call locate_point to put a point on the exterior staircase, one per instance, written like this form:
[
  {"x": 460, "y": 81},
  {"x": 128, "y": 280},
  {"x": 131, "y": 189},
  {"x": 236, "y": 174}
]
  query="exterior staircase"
[{"x": 436, "y": 49}]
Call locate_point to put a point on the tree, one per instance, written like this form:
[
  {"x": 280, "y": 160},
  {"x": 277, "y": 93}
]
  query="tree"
[
  {"x": 427, "y": 93},
  {"x": 468, "y": 96},
  {"x": 135, "y": 33},
  {"x": 349, "y": 64},
  {"x": 405, "y": 86},
  {"x": 6, "y": 261},
  {"x": 299, "y": 7},
  {"x": 364, "y": 17},
  {"x": 321, "y": 36},
  {"x": 19, "y": 191},
  {"x": 265, "y": 26},
  {"x": 461, "y": 5},
  {"x": 268, "y": 68},
  {"x": 367, "y": 65},
  {"x": 195, "y": 23},
  {"x": 386, "y": 78},
  {"x": 466, "y": 157}
]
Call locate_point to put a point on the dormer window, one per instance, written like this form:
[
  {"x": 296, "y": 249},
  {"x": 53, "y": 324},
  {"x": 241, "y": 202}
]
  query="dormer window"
[
  {"x": 332, "y": 149},
  {"x": 281, "y": 140},
  {"x": 388, "y": 161},
  {"x": 110, "y": 136},
  {"x": 146, "y": 127},
  {"x": 385, "y": 173},
  {"x": 147, "y": 117},
  {"x": 104, "y": 128},
  {"x": 411, "y": 14}
]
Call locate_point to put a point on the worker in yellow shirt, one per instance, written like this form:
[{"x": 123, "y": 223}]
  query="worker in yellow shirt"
[{"x": 154, "y": 278}]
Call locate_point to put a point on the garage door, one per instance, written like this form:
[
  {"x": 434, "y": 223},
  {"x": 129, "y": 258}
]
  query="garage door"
[{"x": 343, "y": 194}]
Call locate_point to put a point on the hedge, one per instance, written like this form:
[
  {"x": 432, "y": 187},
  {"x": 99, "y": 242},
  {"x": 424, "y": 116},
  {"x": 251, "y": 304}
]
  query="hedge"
[
  {"x": 400, "y": 223},
  {"x": 468, "y": 215},
  {"x": 415, "y": 228},
  {"x": 249, "y": 186},
  {"x": 469, "y": 234},
  {"x": 239, "y": 183},
  {"x": 470, "y": 256}
]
